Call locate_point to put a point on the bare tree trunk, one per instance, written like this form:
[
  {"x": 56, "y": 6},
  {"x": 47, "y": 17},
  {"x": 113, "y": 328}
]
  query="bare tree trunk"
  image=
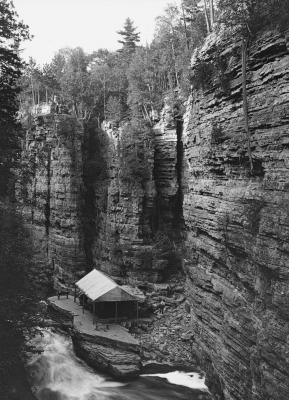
[
  {"x": 207, "y": 17},
  {"x": 147, "y": 114},
  {"x": 212, "y": 13},
  {"x": 174, "y": 58},
  {"x": 32, "y": 90},
  {"x": 185, "y": 26},
  {"x": 104, "y": 98},
  {"x": 245, "y": 101}
]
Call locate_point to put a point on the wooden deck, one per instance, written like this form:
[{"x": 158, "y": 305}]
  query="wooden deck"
[{"x": 83, "y": 322}]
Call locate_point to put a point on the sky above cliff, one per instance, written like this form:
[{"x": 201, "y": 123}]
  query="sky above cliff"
[{"x": 90, "y": 24}]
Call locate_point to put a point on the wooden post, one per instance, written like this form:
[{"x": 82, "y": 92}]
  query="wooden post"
[
  {"x": 137, "y": 313},
  {"x": 115, "y": 311},
  {"x": 74, "y": 293},
  {"x": 93, "y": 311}
]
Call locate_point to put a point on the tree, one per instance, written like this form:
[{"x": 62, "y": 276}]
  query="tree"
[
  {"x": 194, "y": 16},
  {"x": 12, "y": 32},
  {"x": 129, "y": 38}
]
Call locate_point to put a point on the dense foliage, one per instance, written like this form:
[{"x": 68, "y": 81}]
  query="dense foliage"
[
  {"x": 129, "y": 83},
  {"x": 134, "y": 81},
  {"x": 250, "y": 16}
]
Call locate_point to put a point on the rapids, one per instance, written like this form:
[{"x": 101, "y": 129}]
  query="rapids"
[{"x": 55, "y": 373}]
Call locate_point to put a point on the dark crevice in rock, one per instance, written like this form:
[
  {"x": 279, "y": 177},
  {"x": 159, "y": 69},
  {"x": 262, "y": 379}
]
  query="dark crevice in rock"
[
  {"x": 179, "y": 198},
  {"x": 47, "y": 204},
  {"x": 95, "y": 174}
]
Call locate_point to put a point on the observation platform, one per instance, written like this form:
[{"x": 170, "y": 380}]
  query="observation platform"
[{"x": 72, "y": 313}]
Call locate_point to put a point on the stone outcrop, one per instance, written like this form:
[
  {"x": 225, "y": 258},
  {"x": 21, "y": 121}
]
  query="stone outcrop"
[
  {"x": 120, "y": 360},
  {"x": 237, "y": 224}
]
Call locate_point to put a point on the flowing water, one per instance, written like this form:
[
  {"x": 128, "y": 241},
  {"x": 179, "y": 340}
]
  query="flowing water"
[{"x": 57, "y": 374}]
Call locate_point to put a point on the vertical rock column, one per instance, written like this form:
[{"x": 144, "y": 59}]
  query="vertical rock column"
[
  {"x": 49, "y": 193},
  {"x": 65, "y": 230},
  {"x": 165, "y": 169}
]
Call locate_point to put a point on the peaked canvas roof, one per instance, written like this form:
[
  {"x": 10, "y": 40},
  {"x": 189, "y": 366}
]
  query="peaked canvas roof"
[{"x": 98, "y": 286}]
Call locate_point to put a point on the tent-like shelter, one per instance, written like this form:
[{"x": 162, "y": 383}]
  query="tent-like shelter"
[{"x": 102, "y": 291}]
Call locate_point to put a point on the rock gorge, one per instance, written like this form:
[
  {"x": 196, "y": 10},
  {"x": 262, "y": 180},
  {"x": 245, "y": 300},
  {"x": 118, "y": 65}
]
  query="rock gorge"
[{"x": 227, "y": 229}]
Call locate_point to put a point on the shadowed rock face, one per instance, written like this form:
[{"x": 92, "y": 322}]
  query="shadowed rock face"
[{"x": 237, "y": 260}]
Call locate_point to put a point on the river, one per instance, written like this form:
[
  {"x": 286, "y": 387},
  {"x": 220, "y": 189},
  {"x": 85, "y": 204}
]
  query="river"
[{"x": 57, "y": 374}]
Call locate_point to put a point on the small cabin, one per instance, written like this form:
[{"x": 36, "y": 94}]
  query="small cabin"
[{"x": 106, "y": 299}]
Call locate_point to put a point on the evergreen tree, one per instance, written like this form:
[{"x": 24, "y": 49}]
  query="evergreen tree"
[
  {"x": 12, "y": 32},
  {"x": 129, "y": 37}
]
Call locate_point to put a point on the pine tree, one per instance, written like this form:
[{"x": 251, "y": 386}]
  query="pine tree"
[
  {"x": 129, "y": 37},
  {"x": 12, "y": 32}
]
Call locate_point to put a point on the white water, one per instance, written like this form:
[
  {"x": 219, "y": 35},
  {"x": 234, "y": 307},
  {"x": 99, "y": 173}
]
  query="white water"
[
  {"x": 57, "y": 370},
  {"x": 57, "y": 374},
  {"x": 191, "y": 380}
]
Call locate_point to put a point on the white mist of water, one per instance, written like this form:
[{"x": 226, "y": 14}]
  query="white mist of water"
[
  {"x": 191, "y": 380},
  {"x": 57, "y": 374}
]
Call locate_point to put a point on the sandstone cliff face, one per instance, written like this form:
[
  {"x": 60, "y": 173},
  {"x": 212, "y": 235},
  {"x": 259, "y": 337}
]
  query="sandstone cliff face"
[
  {"x": 237, "y": 225},
  {"x": 49, "y": 192}
]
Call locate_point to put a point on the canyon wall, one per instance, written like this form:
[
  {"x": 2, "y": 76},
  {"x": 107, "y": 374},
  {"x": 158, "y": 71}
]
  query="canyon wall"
[
  {"x": 84, "y": 208},
  {"x": 200, "y": 213},
  {"x": 237, "y": 222}
]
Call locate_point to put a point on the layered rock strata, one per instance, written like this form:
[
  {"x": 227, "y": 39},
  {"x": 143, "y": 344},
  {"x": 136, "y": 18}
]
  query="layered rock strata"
[{"x": 237, "y": 224}]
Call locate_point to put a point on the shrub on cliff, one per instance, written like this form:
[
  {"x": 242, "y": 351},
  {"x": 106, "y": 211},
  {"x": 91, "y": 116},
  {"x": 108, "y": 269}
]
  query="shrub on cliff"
[
  {"x": 136, "y": 152},
  {"x": 252, "y": 15}
]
